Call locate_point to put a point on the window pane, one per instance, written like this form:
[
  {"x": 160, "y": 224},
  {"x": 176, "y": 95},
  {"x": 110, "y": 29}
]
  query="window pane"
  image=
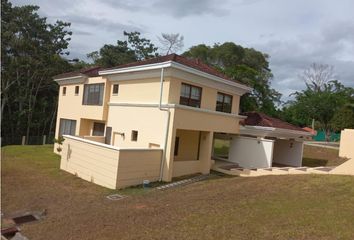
[
  {"x": 227, "y": 99},
  {"x": 220, "y": 97},
  {"x": 67, "y": 127},
  {"x": 98, "y": 129},
  {"x": 195, "y": 93},
  {"x": 93, "y": 94},
  {"x": 185, "y": 90},
  {"x": 115, "y": 88}
]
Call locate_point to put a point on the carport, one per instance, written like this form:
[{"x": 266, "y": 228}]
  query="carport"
[{"x": 265, "y": 142}]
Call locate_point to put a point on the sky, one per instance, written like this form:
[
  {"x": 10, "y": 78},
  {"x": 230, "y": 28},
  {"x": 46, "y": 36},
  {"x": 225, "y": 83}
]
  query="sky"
[{"x": 294, "y": 33}]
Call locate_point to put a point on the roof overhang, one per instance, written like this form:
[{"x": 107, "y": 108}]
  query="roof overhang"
[
  {"x": 260, "y": 131},
  {"x": 175, "y": 65},
  {"x": 71, "y": 80}
]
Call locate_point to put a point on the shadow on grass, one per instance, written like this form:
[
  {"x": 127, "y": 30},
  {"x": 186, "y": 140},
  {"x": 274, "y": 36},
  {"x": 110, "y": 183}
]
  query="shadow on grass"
[{"x": 311, "y": 162}]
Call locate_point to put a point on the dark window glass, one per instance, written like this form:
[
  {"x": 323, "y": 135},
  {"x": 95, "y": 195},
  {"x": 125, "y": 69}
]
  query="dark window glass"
[
  {"x": 98, "y": 129},
  {"x": 77, "y": 90},
  {"x": 190, "y": 95},
  {"x": 67, "y": 127},
  {"x": 64, "y": 91},
  {"x": 115, "y": 89},
  {"x": 134, "y": 136},
  {"x": 176, "y": 146},
  {"x": 223, "y": 103},
  {"x": 93, "y": 94}
]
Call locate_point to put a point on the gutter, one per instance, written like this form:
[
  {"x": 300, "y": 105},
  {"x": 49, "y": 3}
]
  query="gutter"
[{"x": 167, "y": 110}]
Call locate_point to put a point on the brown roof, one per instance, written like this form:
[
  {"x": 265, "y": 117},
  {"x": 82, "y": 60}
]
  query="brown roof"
[
  {"x": 193, "y": 63},
  {"x": 88, "y": 72},
  {"x": 263, "y": 120}
]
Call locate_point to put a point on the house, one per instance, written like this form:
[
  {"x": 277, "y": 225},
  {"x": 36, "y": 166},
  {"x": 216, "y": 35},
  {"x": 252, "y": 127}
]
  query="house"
[{"x": 149, "y": 120}]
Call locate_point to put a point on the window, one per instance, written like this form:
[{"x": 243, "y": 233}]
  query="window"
[
  {"x": 98, "y": 129},
  {"x": 67, "y": 127},
  {"x": 223, "y": 103},
  {"x": 115, "y": 89},
  {"x": 134, "y": 136},
  {"x": 77, "y": 88},
  {"x": 190, "y": 95},
  {"x": 64, "y": 91},
  {"x": 176, "y": 146},
  {"x": 93, "y": 94}
]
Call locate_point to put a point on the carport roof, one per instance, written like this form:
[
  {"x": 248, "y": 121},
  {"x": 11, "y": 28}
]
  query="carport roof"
[{"x": 263, "y": 120}]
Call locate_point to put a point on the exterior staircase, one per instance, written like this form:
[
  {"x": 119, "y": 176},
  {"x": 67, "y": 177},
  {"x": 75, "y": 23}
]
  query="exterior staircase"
[{"x": 233, "y": 169}]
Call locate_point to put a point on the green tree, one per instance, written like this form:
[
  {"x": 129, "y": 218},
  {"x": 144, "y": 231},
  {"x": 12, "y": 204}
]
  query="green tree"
[
  {"x": 134, "y": 49},
  {"x": 246, "y": 65},
  {"x": 31, "y": 55},
  {"x": 325, "y": 106}
]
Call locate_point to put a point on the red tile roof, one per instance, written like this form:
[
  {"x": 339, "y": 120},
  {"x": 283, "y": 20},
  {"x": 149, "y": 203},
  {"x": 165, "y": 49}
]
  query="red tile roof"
[
  {"x": 263, "y": 120},
  {"x": 89, "y": 72},
  {"x": 193, "y": 63},
  {"x": 310, "y": 130}
]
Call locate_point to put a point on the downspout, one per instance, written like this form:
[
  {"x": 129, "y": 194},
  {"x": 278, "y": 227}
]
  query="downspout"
[{"x": 163, "y": 156}]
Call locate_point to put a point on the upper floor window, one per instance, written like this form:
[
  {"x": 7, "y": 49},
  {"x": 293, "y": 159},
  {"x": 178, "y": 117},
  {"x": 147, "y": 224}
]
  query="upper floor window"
[
  {"x": 224, "y": 103},
  {"x": 77, "y": 88},
  {"x": 64, "y": 91},
  {"x": 115, "y": 89},
  {"x": 190, "y": 95},
  {"x": 93, "y": 94}
]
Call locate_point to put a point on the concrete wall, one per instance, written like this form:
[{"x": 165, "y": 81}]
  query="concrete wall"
[
  {"x": 346, "y": 149},
  {"x": 287, "y": 152},
  {"x": 90, "y": 161},
  {"x": 250, "y": 152},
  {"x": 346, "y": 146},
  {"x": 138, "y": 165},
  {"x": 109, "y": 166}
]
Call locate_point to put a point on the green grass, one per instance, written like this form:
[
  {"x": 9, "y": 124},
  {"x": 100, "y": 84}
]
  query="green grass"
[
  {"x": 272, "y": 207},
  {"x": 221, "y": 147}
]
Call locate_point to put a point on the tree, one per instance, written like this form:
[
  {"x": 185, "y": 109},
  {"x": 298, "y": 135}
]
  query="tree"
[
  {"x": 325, "y": 106},
  {"x": 134, "y": 49},
  {"x": 246, "y": 65},
  {"x": 31, "y": 55},
  {"x": 171, "y": 43},
  {"x": 317, "y": 76}
]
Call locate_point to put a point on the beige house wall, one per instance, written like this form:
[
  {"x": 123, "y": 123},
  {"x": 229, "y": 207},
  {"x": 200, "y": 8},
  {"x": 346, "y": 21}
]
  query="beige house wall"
[
  {"x": 108, "y": 166},
  {"x": 150, "y": 123},
  {"x": 135, "y": 166},
  {"x": 346, "y": 149},
  {"x": 90, "y": 162},
  {"x": 188, "y": 145}
]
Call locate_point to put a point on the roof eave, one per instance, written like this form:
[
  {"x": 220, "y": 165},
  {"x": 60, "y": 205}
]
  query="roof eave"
[{"x": 176, "y": 66}]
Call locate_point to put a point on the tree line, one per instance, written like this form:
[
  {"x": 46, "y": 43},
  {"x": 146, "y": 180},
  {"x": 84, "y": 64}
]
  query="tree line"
[{"x": 33, "y": 51}]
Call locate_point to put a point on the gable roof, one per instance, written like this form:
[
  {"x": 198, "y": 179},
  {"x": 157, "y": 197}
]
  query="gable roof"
[
  {"x": 192, "y": 63},
  {"x": 263, "y": 120},
  {"x": 84, "y": 72}
]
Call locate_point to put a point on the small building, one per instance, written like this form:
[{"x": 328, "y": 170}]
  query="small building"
[{"x": 264, "y": 142}]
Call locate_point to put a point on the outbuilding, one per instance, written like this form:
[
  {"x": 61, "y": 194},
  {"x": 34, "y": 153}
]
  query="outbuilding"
[{"x": 266, "y": 142}]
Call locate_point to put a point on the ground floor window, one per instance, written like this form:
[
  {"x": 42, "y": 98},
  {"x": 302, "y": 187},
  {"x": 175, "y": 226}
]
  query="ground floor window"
[
  {"x": 67, "y": 127},
  {"x": 98, "y": 129}
]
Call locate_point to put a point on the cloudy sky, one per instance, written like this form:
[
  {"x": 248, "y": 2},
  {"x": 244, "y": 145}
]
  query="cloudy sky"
[{"x": 294, "y": 33}]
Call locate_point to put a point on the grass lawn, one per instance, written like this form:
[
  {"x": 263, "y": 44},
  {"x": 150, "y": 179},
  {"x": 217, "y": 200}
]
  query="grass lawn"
[{"x": 270, "y": 207}]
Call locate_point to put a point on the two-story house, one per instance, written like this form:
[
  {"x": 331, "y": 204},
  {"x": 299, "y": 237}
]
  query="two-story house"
[{"x": 170, "y": 106}]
